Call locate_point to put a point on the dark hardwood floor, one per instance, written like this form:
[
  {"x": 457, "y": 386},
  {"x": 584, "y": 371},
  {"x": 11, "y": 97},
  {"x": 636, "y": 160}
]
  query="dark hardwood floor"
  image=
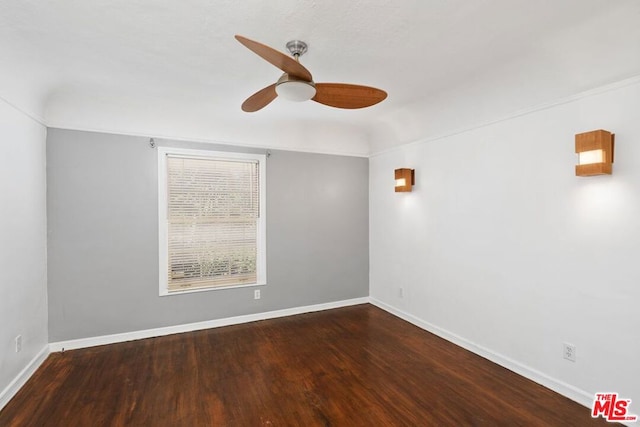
[{"x": 354, "y": 366}]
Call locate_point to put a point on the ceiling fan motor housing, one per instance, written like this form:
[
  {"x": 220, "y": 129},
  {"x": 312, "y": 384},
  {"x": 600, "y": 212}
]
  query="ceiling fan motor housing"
[{"x": 293, "y": 89}]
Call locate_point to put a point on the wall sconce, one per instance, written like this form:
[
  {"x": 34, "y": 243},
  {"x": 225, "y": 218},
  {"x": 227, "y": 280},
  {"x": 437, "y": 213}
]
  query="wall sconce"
[
  {"x": 595, "y": 152},
  {"x": 405, "y": 179}
]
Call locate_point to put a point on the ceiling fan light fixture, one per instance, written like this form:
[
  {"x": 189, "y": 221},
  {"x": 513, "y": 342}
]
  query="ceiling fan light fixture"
[{"x": 296, "y": 90}]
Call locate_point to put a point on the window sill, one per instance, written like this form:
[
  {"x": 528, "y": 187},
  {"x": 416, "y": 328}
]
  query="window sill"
[{"x": 165, "y": 293}]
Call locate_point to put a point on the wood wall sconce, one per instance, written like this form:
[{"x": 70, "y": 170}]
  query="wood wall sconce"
[
  {"x": 595, "y": 152},
  {"x": 405, "y": 179}
]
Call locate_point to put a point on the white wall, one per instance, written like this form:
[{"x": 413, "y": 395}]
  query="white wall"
[
  {"x": 23, "y": 291},
  {"x": 501, "y": 248}
]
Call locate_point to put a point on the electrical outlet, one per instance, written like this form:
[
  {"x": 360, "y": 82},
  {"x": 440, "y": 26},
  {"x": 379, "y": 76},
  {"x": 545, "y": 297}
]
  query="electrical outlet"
[
  {"x": 569, "y": 351},
  {"x": 401, "y": 292},
  {"x": 256, "y": 294},
  {"x": 18, "y": 343}
]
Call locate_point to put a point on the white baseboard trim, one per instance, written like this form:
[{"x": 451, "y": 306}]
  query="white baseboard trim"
[
  {"x": 14, "y": 386},
  {"x": 567, "y": 390},
  {"x": 189, "y": 327}
]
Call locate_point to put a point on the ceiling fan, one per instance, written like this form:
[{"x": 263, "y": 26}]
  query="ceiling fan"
[{"x": 296, "y": 83}]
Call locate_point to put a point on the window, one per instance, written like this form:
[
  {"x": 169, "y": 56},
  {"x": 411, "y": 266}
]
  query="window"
[{"x": 212, "y": 222}]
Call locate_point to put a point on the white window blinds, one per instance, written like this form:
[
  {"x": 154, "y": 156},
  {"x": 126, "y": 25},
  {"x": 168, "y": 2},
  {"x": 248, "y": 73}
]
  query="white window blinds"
[{"x": 213, "y": 210}]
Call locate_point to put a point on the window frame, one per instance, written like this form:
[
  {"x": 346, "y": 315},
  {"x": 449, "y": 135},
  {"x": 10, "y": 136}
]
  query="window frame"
[{"x": 163, "y": 229}]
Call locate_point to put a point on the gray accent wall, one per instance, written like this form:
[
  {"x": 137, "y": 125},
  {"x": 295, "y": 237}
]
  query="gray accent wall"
[{"x": 102, "y": 206}]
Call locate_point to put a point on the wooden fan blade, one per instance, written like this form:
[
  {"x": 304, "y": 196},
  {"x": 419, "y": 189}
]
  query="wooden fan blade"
[
  {"x": 260, "y": 99},
  {"x": 279, "y": 59},
  {"x": 342, "y": 95}
]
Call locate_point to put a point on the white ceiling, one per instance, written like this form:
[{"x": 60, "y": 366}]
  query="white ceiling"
[{"x": 169, "y": 68}]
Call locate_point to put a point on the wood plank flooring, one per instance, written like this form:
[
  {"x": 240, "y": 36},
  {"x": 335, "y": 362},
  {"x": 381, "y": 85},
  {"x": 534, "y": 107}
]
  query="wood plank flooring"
[{"x": 354, "y": 366}]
